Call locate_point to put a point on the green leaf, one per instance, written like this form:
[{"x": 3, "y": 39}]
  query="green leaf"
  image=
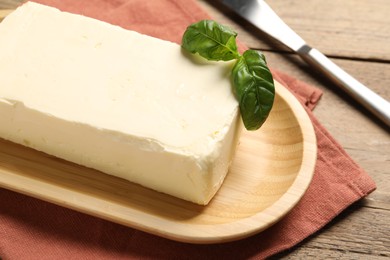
[
  {"x": 252, "y": 80},
  {"x": 254, "y": 88},
  {"x": 211, "y": 40}
]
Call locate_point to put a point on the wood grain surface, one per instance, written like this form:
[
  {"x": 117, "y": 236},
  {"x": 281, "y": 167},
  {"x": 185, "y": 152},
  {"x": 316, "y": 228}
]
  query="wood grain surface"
[{"x": 356, "y": 35}]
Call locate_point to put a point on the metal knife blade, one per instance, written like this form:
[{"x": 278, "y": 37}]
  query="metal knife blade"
[{"x": 260, "y": 14}]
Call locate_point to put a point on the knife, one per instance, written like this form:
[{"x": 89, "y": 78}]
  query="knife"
[{"x": 260, "y": 14}]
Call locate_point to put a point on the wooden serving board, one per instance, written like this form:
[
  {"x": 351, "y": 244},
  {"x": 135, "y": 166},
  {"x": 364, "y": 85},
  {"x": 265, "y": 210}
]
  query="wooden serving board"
[
  {"x": 4, "y": 13},
  {"x": 271, "y": 171}
]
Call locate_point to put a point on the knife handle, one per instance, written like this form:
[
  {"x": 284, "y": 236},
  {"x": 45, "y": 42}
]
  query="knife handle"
[{"x": 365, "y": 96}]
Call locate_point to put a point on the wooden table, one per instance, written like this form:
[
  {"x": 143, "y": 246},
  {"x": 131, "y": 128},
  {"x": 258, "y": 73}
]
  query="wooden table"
[{"x": 355, "y": 34}]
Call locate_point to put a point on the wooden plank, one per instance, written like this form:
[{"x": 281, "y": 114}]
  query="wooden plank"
[
  {"x": 10, "y": 4},
  {"x": 358, "y": 28},
  {"x": 349, "y": 236},
  {"x": 325, "y": 253},
  {"x": 353, "y": 29}
]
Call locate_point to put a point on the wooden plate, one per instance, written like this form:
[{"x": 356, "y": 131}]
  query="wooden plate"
[
  {"x": 4, "y": 13},
  {"x": 271, "y": 171}
]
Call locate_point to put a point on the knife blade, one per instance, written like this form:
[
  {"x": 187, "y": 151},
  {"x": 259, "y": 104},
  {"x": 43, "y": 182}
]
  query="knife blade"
[{"x": 260, "y": 14}]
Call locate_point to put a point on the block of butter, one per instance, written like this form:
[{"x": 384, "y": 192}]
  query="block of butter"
[{"x": 123, "y": 103}]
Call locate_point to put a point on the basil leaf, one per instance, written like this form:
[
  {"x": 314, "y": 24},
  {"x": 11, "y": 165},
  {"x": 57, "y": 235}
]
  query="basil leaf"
[
  {"x": 211, "y": 40},
  {"x": 252, "y": 80},
  {"x": 254, "y": 88}
]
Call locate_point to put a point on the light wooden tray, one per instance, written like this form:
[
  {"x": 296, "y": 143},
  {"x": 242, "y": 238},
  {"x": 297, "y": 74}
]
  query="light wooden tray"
[
  {"x": 271, "y": 171},
  {"x": 4, "y": 13}
]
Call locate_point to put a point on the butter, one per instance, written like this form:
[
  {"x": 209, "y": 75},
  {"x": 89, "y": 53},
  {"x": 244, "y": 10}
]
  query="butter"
[{"x": 117, "y": 101}]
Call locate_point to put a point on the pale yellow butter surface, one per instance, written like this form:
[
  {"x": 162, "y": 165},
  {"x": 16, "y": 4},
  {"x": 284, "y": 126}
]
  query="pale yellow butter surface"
[{"x": 117, "y": 101}]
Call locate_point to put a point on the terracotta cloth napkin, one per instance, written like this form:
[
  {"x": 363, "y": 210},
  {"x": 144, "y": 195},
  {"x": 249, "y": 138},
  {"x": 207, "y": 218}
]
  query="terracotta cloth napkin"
[{"x": 33, "y": 229}]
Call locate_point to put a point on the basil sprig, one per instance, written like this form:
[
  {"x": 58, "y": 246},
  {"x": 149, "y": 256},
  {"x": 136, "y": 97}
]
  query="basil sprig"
[{"x": 252, "y": 80}]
